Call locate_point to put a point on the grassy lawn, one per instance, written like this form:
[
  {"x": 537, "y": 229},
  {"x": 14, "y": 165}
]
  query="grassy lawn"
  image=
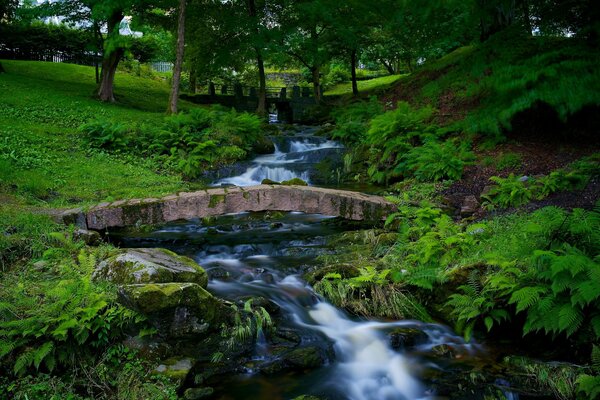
[
  {"x": 363, "y": 86},
  {"x": 44, "y": 161}
]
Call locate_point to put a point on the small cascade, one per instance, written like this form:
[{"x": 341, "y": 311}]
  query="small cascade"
[
  {"x": 294, "y": 157},
  {"x": 248, "y": 257}
]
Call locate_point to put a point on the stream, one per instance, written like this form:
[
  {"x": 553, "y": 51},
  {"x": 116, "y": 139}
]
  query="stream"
[{"x": 265, "y": 256}]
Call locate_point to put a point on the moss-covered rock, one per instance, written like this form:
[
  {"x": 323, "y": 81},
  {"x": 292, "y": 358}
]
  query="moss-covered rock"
[
  {"x": 299, "y": 359},
  {"x": 268, "y": 181},
  {"x": 294, "y": 181},
  {"x": 134, "y": 266},
  {"x": 198, "y": 393},
  {"x": 156, "y": 297},
  {"x": 174, "y": 368},
  {"x": 263, "y": 145}
]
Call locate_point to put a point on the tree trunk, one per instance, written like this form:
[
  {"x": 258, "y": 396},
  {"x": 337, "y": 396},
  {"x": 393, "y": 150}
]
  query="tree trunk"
[
  {"x": 316, "y": 83},
  {"x": 2, "y": 69},
  {"x": 193, "y": 78},
  {"x": 111, "y": 59},
  {"x": 526, "y": 17},
  {"x": 261, "y": 109},
  {"x": 353, "y": 72},
  {"x": 178, "y": 60},
  {"x": 262, "y": 85},
  {"x": 388, "y": 66}
]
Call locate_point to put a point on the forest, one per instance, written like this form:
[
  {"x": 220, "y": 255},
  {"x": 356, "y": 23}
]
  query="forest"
[{"x": 300, "y": 199}]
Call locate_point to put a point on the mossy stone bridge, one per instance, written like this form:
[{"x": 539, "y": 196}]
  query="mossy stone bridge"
[
  {"x": 213, "y": 202},
  {"x": 291, "y": 107}
]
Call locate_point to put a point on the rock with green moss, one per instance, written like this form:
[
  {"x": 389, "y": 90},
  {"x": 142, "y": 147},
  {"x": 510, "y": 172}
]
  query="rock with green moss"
[
  {"x": 306, "y": 397},
  {"x": 135, "y": 266},
  {"x": 153, "y": 298},
  {"x": 198, "y": 393},
  {"x": 294, "y": 182},
  {"x": 299, "y": 359},
  {"x": 175, "y": 368},
  {"x": 268, "y": 181}
]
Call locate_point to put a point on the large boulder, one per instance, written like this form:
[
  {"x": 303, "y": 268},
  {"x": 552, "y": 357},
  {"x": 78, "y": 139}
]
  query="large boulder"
[
  {"x": 157, "y": 297},
  {"x": 138, "y": 266}
]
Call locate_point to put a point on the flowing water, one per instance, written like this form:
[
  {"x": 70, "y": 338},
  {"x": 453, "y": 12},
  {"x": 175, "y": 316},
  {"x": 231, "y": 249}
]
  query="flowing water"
[
  {"x": 295, "y": 156},
  {"x": 257, "y": 255}
]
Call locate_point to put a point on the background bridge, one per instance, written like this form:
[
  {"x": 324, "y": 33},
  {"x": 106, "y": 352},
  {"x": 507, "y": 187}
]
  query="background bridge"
[{"x": 291, "y": 105}]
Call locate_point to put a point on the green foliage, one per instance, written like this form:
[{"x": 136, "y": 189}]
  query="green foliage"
[
  {"x": 515, "y": 191},
  {"x": 557, "y": 287},
  {"x": 512, "y": 191},
  {"x": 188, "y": 142},
  {"x": 508, "y": 160},
  {"x": 58, "y": 322},
  {"x": 371, "y": 293},
  {"x": 394, "y": 133},
  {"x": 435, "y": 161},
  {"x": 352, "y": 121},
  {"x": 249, "y": 323}
]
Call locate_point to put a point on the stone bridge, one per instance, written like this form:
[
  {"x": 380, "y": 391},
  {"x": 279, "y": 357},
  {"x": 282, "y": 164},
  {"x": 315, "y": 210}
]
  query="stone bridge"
[
  {"x": 290, "y": 109},
  {"x": 213, "y": 202}
]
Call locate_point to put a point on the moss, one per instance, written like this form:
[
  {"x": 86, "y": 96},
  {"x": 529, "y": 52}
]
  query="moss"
[
  {"x": 294, "y": 181},
  {"x": 267, "y": 181},
  {"x": 215, "y": 199},
  {"x": 152, "y": 298},
  {"x": 246, "y": 195}
]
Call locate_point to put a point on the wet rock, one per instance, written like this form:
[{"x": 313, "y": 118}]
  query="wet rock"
[
  {"x": 186, "y": 323},
  {"x": 345, "y": 270},
  {"x": 306, "y": 397},
  {"x": 403, "y": 338},
  {"x": 264, "y": 145},
  {"x": 443, "y": 351},
  {"x": 219, "y": 273},
  {"x": 294, "y": 181},
  {"x": 198, "y": 393},
  {"x": 148, "y": 347},
  {"x": 131, "y": 266},
  {"x": 157, "y": 297},
  {"x": 299, "y": 359},
  {"x": 486, "y": 190},
  {"x": 276, "y": 225},
  {"x": 469, "y": 206},
  {"x": 260, "y": 301},
  {"x": 524, "y": 178},
  {"x": 174, "y": 368},
  {"x": 91, "y": 238}
]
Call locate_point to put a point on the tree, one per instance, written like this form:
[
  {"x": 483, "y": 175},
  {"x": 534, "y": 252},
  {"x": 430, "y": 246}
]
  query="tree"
[
  {"x": 178, "y": 59},
  {"x": 305, "y": 34}
]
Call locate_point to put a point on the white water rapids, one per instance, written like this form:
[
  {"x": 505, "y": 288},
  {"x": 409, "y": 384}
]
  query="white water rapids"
[{"x": 291, "y": 159}]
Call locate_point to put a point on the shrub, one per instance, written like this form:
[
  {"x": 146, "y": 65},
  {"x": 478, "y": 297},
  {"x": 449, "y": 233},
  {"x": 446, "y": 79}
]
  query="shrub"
[
  {"x": 352, "y": 121},
  {"x": 394, "y": 133},
  {"x": 435, "y": 161}
]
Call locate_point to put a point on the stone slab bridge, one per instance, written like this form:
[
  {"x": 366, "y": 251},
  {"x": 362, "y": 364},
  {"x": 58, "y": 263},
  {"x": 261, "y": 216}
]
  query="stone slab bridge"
[{"x": 213, "y": 202}]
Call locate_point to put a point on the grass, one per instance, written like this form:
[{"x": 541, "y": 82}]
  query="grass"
[
  {"x": 363, "y": 86},
  {"x": 485, "y": 86},
  {"x": 43, "y": 159}
]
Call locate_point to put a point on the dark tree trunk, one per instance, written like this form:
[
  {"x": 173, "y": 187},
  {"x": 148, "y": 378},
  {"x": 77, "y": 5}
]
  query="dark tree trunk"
[
  {"x": 110, "y": 61},
  {"x": 172, "y": 109},
  {"x": 316, "y": 78},
  {"x": 193, "y": 78},
  {"x": 526, "y": 17},
  {"x": 388, "y": 67},
  {"x": 99, "y": 44},
  {"x": 262, "y": 85},
  {"x": 2, "y": 69},
  {"x": 496, "y": 16},
  {"x": 353, "y": 72},
  {"x": 261, "y": 109}
]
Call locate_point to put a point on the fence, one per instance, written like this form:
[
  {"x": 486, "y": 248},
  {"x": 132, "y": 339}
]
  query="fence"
[{"x": 162, "y": 66}]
